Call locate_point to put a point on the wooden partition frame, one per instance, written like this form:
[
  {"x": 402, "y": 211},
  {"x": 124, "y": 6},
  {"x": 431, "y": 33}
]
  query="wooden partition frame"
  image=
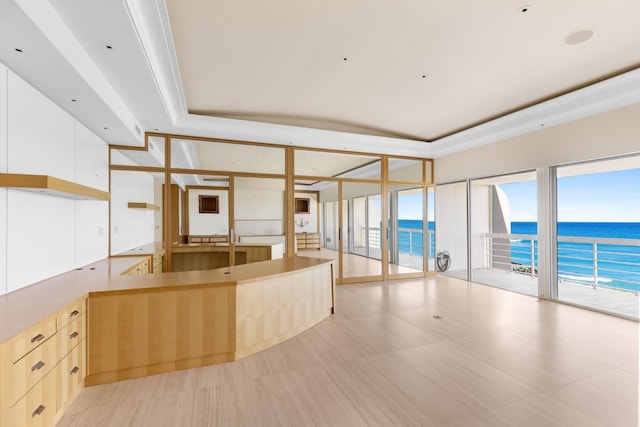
[{"x": 289, "y": 176}]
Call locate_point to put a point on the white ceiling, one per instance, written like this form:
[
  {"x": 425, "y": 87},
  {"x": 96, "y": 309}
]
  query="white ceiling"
[
  {"x": 278, "y": 69},
  {"x": 361, "y": 63}
]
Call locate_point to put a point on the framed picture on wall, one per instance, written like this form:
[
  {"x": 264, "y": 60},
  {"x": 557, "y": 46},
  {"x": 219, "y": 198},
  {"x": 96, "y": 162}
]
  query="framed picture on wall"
[
  {"x": 302, "y": 205},
  {"x": 208, "y": 204}
]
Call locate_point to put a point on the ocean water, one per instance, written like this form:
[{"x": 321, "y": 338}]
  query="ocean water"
[
  {"x": 411, "y": 241},
  {"x": 617, "y": 266}
]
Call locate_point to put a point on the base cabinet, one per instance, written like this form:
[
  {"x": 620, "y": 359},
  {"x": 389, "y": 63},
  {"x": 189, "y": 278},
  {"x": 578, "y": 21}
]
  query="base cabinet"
[
  {"x": 70, "y": 374},
  {"x": 37, "y": 408},
  {"x": 40, "y": 379},
  {"x": 307, "y": 241}
]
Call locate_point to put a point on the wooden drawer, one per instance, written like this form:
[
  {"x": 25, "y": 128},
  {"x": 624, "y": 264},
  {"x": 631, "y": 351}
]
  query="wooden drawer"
[
  {"x": 70, "y": 313},
  {"x": 70, "y": 335},
  {"x": 26, "y": 372},
  {"x": 140, "y": 268},
  {"x": 157, "y": 263},
  {"x": 70, "y": 377},
  {"x": 38, "y": 407},
  {"x": 29, "y": 339}
]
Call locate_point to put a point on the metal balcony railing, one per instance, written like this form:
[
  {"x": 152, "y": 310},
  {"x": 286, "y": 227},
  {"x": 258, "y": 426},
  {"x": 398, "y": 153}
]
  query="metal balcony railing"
[
  {"x": 599, "y": 262},
  {"x": 409, "y": 240}
]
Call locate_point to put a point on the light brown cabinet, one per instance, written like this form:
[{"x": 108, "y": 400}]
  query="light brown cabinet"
[
  {"x": 143, "y": 267},
  {"x": 215, "y": 238},
  {"x": 222, "y": 316},
  {"x": 308, "y": 241},
  {"x": 35, "y": 390},
  {"x": 158, "y": 260},
  {"x": 37, "y": 408}
]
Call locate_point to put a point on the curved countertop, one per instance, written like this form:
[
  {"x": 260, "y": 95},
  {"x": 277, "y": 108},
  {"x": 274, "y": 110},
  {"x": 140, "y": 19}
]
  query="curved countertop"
[{"x": 25, "y": 307}]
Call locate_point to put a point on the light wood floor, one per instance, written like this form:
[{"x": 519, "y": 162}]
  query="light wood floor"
[
  {"x": 493, "y": 358},
  {"x": 357, "y": 265}
]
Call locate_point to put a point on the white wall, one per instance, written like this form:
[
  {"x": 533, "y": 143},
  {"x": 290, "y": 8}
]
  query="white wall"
[
  {"x": 3, "y": 169},
  {"x": 45, "y": 235},
  {"x": 207, "y": 224},
  {"x": 609, "y": 134},
  {"x": 131, "y": 227},
  {"x": 157, "y": 216},
  {"x": 451, "y": 223}
]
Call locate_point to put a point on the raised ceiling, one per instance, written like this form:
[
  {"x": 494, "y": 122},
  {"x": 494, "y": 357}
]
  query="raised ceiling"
[
  {"x": 413, "y": 69},
  {"x": 275, "y": 72}
]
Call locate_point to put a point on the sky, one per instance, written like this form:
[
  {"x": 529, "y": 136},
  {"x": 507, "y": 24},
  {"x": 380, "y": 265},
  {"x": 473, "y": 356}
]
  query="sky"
[
  {"x": 410, "y": 206},
  {"x": 599, "y": 197}
]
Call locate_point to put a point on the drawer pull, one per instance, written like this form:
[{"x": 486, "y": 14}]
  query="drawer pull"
[
  {"x": 74, "y": 370},
  {"x": 37, "y": 338},
  {"x": 37, "y": 366},
  {"x": 73, "y": 335},
  {"x": 39, "y": 410},
  {"x": 74, "y": 313}
]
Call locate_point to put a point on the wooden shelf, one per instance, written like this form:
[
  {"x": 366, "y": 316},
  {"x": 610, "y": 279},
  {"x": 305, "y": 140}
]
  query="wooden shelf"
[
  {"x": 44, "y": 184},
  {"x": 140, "y": 205}
]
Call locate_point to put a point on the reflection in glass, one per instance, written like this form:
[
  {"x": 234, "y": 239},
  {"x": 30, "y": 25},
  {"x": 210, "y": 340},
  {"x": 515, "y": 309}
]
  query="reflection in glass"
[
  {"x": 152, "y": 157},
  {"x": 328, "y": 164},
  {"x": 206, "y": 155},
  {"x": 322, "y": 220},
  {"x": 136, "y": 209},
  {"x": 259, "y": 217},
  {"x": 405, "y": 170}
]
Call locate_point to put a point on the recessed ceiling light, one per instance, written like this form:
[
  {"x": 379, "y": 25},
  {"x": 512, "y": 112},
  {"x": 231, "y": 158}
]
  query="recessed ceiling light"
[
  {"x": 18, "y": 50},
  {"x": 578, "y": 37}
]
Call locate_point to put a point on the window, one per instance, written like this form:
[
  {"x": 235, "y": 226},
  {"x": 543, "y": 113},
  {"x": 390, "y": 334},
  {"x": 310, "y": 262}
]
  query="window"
[{"x": 208, "y": 204}]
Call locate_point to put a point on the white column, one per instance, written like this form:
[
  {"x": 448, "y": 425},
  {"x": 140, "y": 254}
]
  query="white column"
[{"x": 546, "y": 233}]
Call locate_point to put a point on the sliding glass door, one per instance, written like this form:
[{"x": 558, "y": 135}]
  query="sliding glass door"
[
  {"x": 598, "y": 235},
  {"x": 406, "y": 229},
  {"x": 361, "y": 224},
  {"x": 504, "y": 242}
]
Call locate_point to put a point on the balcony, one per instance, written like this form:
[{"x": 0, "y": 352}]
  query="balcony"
[{"x": 601, "y": 273}]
